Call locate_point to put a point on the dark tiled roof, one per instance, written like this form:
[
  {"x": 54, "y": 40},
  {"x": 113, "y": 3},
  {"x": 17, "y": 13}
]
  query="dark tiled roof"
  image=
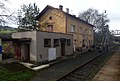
[
  {"x": 73, "y": 16},
  {"x": 50, "y": 7}
]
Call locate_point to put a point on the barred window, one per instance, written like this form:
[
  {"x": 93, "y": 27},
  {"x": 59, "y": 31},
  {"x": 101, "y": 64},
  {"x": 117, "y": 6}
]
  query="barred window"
[
  {"x": 47, "y": 42},
  {"x": 68, "y": 42},
  {"x": 56, "y": 42}
]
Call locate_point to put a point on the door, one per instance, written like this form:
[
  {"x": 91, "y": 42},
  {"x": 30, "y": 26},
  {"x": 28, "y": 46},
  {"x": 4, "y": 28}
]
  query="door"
[
  {"x": 17, "y": 51},
  {"x": 27, "y": 52},
  {"x": 62, "y": 49}
]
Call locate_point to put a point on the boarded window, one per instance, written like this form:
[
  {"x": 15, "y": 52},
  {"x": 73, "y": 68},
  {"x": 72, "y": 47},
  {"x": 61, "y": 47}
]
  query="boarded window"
[
  {"x": 47, "y": 42},
  {"x": 56, "y": 42},
  {"x": 68, "y": 42}
]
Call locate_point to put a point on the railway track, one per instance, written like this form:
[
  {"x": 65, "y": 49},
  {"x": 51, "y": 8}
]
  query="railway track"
[{"x": 87, "y": 71}]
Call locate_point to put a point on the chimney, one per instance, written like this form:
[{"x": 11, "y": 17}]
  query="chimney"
[
  {"x": 60, "y": 7},
  {"x": 67, "y": 10}
]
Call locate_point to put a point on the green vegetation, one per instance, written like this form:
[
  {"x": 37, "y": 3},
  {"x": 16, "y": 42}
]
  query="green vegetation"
[
  {"x": 15, "y": 72},
  {"x": 27, "y": 17},
  {"x": 7, "y": 31}
]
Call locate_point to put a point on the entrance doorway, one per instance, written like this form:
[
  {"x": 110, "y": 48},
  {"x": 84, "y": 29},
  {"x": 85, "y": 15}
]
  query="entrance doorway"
[
  {"x": 63, "y": 49},
  {"x": 27, "y": 52},
  {"x": 18, "y": 51}
]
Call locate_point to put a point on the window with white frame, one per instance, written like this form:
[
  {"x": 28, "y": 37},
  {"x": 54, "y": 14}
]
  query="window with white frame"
[
  {"x": 84, "y": 31},
  {"x": 72, "y": 28},
  {"x": 90, "y": 32},
  {"x": 81, "y": 30}
]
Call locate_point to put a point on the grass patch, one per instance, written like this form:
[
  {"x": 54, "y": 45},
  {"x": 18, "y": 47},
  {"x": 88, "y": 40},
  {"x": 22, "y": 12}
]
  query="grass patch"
[
  {"x": 7, "y": 31},
  {"x": 15, "y": 72}
]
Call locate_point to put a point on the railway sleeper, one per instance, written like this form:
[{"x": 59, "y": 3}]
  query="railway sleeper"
[
  {"x": 83, "y": 69},
  {"x": 76, "y": 76},
  {"x": 71, "y": 78},
  {"x": 78, "y": 73},
  {"x": 90, "y": 72}
]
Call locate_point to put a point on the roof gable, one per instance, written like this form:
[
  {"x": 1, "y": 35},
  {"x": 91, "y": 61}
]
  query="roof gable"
[
  {"x": 50, "y": 7},
  {"x": 44, "y": 11}
]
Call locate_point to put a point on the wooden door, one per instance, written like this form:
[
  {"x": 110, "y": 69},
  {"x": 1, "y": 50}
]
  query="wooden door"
[{"x": 18, "y": 51}]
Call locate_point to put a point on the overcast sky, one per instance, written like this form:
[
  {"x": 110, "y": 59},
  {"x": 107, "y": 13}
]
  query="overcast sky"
[{"x": 111, "y": 6}]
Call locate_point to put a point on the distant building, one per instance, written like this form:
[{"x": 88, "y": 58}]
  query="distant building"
[{"x": 56, "y": 20}]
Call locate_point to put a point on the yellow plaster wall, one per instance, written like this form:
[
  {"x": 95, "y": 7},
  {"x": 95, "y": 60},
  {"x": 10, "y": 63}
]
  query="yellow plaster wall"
[
  {"x": 58, "y": 20},
  {"x": 77, "y": 35}
]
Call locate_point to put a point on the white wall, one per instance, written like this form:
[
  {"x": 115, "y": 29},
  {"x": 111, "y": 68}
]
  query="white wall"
[{"x": 44, "y": 50}]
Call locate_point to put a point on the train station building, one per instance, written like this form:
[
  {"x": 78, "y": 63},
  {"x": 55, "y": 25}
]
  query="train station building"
[{"x": 59, "y": 34}]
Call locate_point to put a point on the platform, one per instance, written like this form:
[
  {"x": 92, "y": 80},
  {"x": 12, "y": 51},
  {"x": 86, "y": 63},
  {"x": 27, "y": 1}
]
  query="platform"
[{"x": 111, "y": 70}]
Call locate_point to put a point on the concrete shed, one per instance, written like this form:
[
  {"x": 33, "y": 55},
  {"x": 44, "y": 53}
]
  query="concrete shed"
[{"x": 41, "y": 46}]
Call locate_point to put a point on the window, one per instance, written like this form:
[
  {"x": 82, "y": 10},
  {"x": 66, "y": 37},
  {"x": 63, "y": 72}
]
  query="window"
[
  {"x": 89, "y": 43},
  {"x": 50, "y": 28},
  {"x": 68, "y": 42},
  {"x": 90, "y": 32},
  {"x": 56, "y": 42},
  {"x": 72, "y": 28},
  {"x": 83, "y": 43},
  {"x": 85, "y": 31},
  {"x": 47, "y": 42},
  {"x": 81, "y": 31},
  {"x": 50, "y": 17}
]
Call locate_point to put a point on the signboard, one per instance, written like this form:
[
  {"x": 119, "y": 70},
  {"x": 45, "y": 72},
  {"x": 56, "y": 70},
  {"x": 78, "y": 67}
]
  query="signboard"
[{"x": 0, "y": 49}]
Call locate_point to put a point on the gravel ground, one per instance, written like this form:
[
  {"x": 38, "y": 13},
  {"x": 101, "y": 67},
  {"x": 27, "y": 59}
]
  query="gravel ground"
[{"x": 62, "y": 68}]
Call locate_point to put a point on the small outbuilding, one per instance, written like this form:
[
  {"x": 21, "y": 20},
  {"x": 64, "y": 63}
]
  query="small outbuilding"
[{"x": 41, "y": 46}]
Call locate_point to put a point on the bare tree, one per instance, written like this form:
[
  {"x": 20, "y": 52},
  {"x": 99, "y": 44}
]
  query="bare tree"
[
  {"x": 4, "y": 16},
  {"x": 100, "y": 21},
  {"x": 92, "y": 16}
]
